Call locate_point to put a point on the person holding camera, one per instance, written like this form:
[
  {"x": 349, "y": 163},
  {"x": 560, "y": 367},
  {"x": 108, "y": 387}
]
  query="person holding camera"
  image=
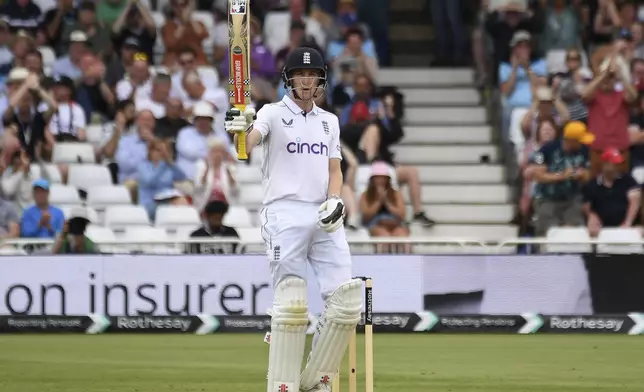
[
  {"x": 608, "y": 98},
  {"x": 72, "y": 239}
]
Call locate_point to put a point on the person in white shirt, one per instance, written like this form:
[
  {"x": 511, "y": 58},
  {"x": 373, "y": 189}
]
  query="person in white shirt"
[
  {"x": 197, "y": 92},
  {"x": 137, "y": 83},
  {"x": 192, "y": 143},
  {"x": 70, "y": 65},
  {"x": 68, "y": 123},
  {"x": 159, "y": 94},
  {"x": 302, "y": 223},
  {"x": 188, "y": 62}
]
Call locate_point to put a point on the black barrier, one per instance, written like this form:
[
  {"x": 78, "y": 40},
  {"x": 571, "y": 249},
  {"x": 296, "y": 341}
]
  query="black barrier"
[{"x": 419, "y": 322}]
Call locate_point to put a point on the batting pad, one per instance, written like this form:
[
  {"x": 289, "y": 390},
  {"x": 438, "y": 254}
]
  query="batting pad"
[
  {"x": 289, "y": 323},
  {"x": 335, "y": 327}
]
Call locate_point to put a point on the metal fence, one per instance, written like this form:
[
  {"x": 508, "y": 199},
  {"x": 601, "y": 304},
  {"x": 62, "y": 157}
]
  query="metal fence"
[{"x": 358, "y": 246}]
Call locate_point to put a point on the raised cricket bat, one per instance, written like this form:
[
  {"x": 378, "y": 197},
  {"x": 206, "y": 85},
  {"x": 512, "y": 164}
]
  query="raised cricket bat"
[{"x": 239, "y": 62}]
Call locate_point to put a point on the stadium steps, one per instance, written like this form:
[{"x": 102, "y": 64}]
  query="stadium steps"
[{"x": 449, "y": 140}]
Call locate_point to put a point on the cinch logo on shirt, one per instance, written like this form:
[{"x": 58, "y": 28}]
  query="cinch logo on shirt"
[{"x": 305, "y": 148}]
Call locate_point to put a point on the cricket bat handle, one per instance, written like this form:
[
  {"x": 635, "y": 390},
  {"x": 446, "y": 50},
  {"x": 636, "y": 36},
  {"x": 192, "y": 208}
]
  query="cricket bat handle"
[{"x": 241, "y": 139}]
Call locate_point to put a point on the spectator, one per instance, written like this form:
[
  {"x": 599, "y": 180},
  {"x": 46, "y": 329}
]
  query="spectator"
[
  {"x": 559, "y": 169},
  {"x": 137, "y": 84},
  {"x": 215, "y": 212},
  {"x": 28, "y": 125},
  {"x": 447, "y": 19},
  {"x": 41, "y": 220},
  {"x": 382, "y": 207},
  {"x": 168, "y": 127},
  {"x": 517, "y": 78},
  {"x": 276, "y": 29},
  {"x": 214, "y": 178},
  {"x": 72, "y": 239},
  {"x": 135, "y": 22},
  {"x": 98, "y": 37},
  {"x": 545, "y": 106},
  {"x": 612, "y": 199},
  {"x": 123, "y": 120},
  {"x": 502, "y": 24},
  {"x": 191, "y": 141},
  {"x": 181, "y": 31},
  {"x": 349, "y": 166},
  {"x": 70, "y": 65},
  {"x": 297, "y": 39},
  {"x": 109, "y": 10},
  {"x": 354, "y": 53},
  {"x": 637, "y": 74},
  {"x": 188, "y": 64},
  {"x": 605, "y": 22},
  {"x": 637, "y": 30},
  {"x": 34, "y": 63},
  {"x": 196, "y": 91},
  {"x": 608, "y": 113},
  {"x": 621, "y": 48},
  {"x": 571, "y": 84},
  {"x": 636, "y": 135},
  {"x": 93, "y": 93},
  {"x": 120, "y": 63},
  {"x": 562, "y": 27},
  {"x": 9, "y": 220},
  {"x": 155, "y": 175},
  {"x": 56, "y": 21},
  {"x": 6, "y": 56},
  {"x": 157, "y": 99},
  {"x": 69, "y": 122},
  {"x": 22, "y": 44},
  {"x": 546, "y": 133},
  {"x": 22, "y": 15},
  {"x": 17, "y": 181},
  {"x": 220, "y": 33},
  {"x": 132, "y": 150},
  {"x": 342, "y": 93}
]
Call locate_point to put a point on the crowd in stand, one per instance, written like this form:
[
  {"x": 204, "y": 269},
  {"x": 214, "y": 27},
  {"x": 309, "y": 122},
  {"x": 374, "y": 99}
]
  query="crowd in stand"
[
  {"x": 570, "y": 79},
  {"x": 141, "y": 82}
]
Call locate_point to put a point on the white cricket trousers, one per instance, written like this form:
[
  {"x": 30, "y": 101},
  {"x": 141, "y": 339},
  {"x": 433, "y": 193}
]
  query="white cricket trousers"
[{"x": 293, "y": 239}]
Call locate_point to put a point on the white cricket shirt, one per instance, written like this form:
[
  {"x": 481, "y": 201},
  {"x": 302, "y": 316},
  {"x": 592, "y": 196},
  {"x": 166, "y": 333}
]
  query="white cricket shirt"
[{"x": 297, "y": 150}]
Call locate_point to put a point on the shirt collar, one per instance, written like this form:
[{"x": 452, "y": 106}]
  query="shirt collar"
[{"x": 288, "y": 101}]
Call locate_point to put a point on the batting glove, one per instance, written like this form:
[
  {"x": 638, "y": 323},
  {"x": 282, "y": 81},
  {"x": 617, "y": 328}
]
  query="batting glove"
[
  {"x": 236, "y": 121},
  {"x": 331, "y": 214}
]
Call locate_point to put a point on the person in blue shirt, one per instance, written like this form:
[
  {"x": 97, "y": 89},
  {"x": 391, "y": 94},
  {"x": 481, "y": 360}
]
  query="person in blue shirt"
[
  {"x": 157, "y": 174},
  {"x": 516, "y": 78},
  {"x": 41, "y": 220}
]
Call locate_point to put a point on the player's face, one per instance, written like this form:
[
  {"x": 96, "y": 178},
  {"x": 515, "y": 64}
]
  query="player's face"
[{"x": 305, "y": 83}]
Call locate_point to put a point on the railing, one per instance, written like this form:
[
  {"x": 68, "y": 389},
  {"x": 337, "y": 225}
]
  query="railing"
[{"x": 367, "y": 245}]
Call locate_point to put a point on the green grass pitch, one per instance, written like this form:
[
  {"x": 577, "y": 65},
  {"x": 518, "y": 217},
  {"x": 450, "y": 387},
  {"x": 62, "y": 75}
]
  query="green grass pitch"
[{"x": 237, "y": 363}]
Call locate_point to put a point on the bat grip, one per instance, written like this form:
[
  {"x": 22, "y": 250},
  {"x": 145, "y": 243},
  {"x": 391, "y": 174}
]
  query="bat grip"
[{"x": 241, "y": 141}]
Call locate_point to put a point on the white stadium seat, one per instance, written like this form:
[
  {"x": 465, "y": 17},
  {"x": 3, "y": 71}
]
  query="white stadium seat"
[
  {"x": 100, "y": 234},
  {"x": 177, "y": 216},
  {"x": 105, "y": 195},
  {"x": 238, "y": 217},
  {"x": 92, "y": 215},
  {"x": 578, "y": 234},
  {"x": 245, "y": 174},
  {"x": 629, "y": 236},
  {"x": 126, "y": 215},
  {"x": 52, "y": 173},
  {"x": 252, "y": 239},
  {"x": 251, "y": 195},
  {"x": 87, "y": 176},
  {"x": 69, "y": 152},
  {"x": 151, "y": 234},
  {"x": 95, "y": 134},
  {"x": 63, "y": 194}
]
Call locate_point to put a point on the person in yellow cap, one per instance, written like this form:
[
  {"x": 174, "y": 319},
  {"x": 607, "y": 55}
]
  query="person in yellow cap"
[{"x": 560, "y": 169}]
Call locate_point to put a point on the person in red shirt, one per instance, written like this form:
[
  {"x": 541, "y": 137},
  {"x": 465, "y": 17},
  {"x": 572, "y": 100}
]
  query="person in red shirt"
[{"x": 607, "y": 98}]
